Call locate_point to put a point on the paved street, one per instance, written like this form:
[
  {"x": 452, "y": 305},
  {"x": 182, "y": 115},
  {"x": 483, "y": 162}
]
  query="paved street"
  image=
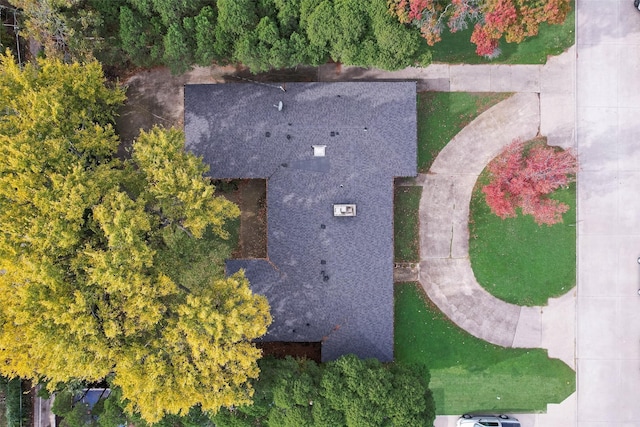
[{"x": 608, "y": 138}]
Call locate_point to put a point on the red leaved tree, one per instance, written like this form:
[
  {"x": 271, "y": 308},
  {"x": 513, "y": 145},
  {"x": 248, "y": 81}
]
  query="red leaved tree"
[
  {"x": 433, "y": 16},
  {"x": 523, "y": 176},
  {"x": 486, "y": 43},
  {"x": 514, "y": 20},
  {"x": 517, "y": 20}
]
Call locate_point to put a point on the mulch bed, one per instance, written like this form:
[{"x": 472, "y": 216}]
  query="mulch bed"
[{"x": 298, "y": 350}]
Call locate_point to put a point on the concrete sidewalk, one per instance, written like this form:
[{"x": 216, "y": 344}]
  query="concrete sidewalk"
[
  {"x": 553, "y": 81},
  {"x": 608, "y": 124}
]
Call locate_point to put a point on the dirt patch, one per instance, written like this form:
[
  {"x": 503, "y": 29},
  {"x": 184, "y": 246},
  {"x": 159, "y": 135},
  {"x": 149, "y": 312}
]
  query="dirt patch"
[
  {"x": 156, "y": 97},
  {"x": 298, "y": 350},
  {"x": 253, "y": 218},
  {"x": 251, "y": 196},
  {"x": 299, "y": 74}
]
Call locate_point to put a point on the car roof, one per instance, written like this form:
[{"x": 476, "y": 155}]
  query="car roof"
[{"x": 490, "y": 421}]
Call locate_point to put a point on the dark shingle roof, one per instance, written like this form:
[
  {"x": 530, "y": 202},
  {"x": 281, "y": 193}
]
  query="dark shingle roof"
[{"x": 369, "y": 130}]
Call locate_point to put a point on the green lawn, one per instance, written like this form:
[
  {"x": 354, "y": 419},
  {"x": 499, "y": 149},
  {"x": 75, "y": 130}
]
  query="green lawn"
[
  {"x": 441, "y": 115},
  {"x": 469, "y": 374},
  {"x": 551, "y": 40},
  {"x": 519, "y": 261},
  {"x": 406, "y": 223}
]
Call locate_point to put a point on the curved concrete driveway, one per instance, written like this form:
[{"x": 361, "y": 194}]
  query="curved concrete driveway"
[{"x": 445, "y": 269}]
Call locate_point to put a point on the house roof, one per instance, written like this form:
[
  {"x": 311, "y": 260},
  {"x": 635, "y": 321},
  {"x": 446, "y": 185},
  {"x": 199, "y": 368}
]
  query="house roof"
[{"x": 327, "y": 278}]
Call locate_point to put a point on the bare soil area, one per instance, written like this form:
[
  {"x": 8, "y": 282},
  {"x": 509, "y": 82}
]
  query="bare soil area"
[
  {"x": 298, "y": 350},
  {"x": 251, "y": 196},
  {"x": 156, "y": 97},
  {"x": 253, "y": 218}
]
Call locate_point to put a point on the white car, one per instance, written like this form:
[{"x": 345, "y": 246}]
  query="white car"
[{"x": 487, "y": 420}]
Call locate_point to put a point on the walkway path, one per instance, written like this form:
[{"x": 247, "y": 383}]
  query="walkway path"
[{"x": 445, "y": 269}]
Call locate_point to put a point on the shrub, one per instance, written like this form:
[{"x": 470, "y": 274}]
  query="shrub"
[{"x": 16, "y": 405}]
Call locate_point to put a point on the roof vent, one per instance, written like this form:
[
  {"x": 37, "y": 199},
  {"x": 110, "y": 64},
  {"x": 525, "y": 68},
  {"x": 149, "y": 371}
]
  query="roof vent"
[
  {"x": 319, "y": 150},
  {"x": 344, "y": 210}
]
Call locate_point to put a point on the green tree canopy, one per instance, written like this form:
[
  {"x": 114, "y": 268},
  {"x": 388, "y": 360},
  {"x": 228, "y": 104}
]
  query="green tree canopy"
[
  {"x": 346, "y": 392},
  {"x": 141, "y": 37},
  {"x": 178, "y": 46},
  {"x": 262, "y": 35},
  {"x": 205, "y": 36},
  {"x": 103, "y": 272}
]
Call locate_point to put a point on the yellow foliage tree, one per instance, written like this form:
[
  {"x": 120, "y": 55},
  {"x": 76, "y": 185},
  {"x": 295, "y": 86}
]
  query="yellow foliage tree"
[{"x": 91, "y": 252}]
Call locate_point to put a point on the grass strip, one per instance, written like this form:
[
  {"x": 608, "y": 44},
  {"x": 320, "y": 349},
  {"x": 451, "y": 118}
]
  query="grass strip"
[{"x": 406, "y": 223}]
